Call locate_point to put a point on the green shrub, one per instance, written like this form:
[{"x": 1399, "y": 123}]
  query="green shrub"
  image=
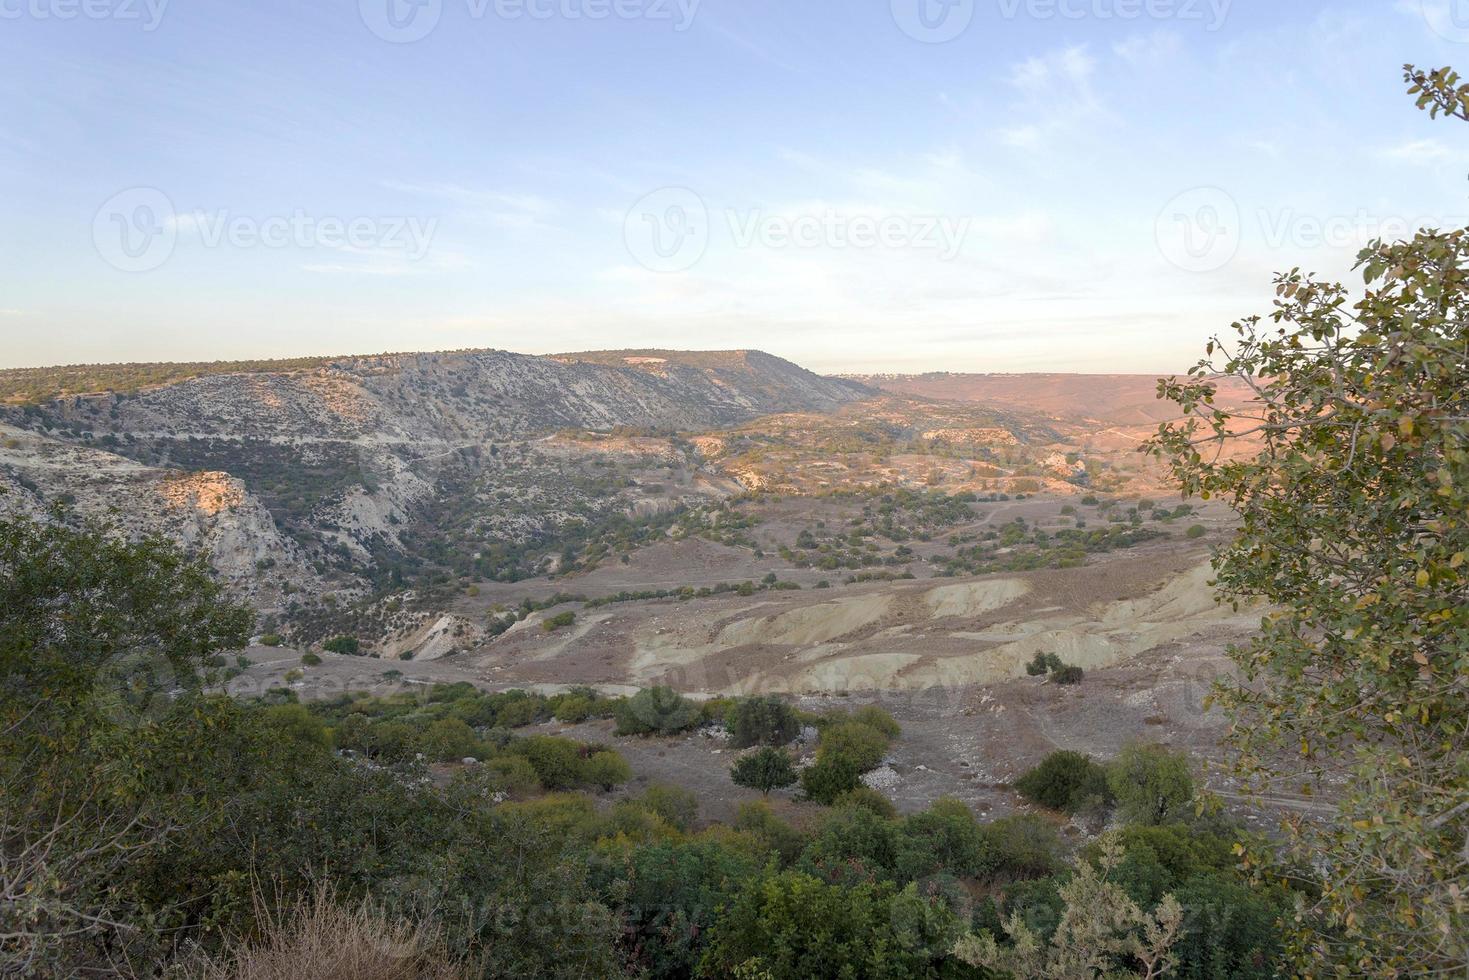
[
  {"x": 271, "y": 640},
  {"x": 853, "y": 843},
  {"x": 1230, "y": 932},
  {"x": 715, "y": 710},
  {"x": 862, "y": 745},
  {"x": 606, "y": 769},
  {"x": 770, "y": 832},
  {"x": 514, "y": 774},
  {"x": 676, "y": 892},
  {"x": 310, "y": 660},
  {"x": 448, "y": 740},
  {"x": 296, "y": 723},
  {"x": 678, "y": 807},
  {"x": 1068, "y": 675},
  {"x": 573, "y": 709},
  {"x": 516, "y": 709},
  {"x": 656, "y": 711},
  {"x": 1067, "y": 781},
  {"x": 944, "y": 839},
  {"x": 349, "y": 645},
  {"x": 761, "y": 721},
  {"x": 830, "y": 777},
  {"x": 869, "y": 799},
  {"x": 877, "y": 718},
  {"x": 765, "y": 770},
  {"x": 1024, "y": 846},
  {"x": 1197, "y": 531},
  {"x": 559, "y": 621},
  {"x": 557, "y": 761},
  {"x": 1042, "y": 664},
  {"x": 1152, "y": 785},
  {"x": 795, "y": 926}
]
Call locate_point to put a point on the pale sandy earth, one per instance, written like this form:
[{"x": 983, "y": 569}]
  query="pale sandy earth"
[{"x": 945, "y": 656}]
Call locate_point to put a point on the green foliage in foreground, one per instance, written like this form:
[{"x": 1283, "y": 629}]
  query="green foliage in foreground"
[
  {"x": 1354, "y": 505},
  {"x": 148, "y": 819}
]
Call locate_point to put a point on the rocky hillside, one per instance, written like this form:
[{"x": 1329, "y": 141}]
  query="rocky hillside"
[
  {"x": 459, "y": 396},
  {"x": 355, "y": 474},
  {"x": 207, "y": 511}
]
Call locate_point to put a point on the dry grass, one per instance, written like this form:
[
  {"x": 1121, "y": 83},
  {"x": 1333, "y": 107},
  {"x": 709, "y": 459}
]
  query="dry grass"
[{"x": 324, "y": 938}]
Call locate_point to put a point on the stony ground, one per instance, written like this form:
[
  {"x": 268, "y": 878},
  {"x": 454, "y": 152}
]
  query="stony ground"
[{"x": 1143, "y": 622}]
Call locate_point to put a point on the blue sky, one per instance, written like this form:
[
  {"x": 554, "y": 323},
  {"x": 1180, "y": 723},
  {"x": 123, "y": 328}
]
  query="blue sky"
[{"x": 1075, "y": 185}]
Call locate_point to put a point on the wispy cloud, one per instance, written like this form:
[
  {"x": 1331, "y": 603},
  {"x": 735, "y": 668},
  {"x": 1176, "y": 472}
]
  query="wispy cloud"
[
  {"x": 1423, "y": 151},
  {"x": 1149, "y": 50},
  {"x": 1070, "y": 67},
  {"x": 1057, "y": 97},
  {"x": 498, "y": 207}
]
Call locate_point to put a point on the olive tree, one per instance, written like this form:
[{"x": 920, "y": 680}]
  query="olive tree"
[{"x": 1349, "y": 470}]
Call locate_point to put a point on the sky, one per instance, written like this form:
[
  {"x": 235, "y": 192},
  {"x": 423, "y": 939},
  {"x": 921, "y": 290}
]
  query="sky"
[{"x": 856, "y": 185}]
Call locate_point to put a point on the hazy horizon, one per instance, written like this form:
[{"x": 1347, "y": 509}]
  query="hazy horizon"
[{"x": 875, "y": 372}]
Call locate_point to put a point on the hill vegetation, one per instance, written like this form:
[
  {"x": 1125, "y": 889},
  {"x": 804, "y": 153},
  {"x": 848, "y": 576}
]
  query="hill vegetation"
[
  {"x": 154, "y": 821},
  {"x": 34, "y": 386}
]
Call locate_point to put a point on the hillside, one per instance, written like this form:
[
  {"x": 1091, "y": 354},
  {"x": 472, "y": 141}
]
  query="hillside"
[
  {"x": 1114, "y": 399},
  {"x": 316, "y": 487},
  {"x": 361, "y": 473}
]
